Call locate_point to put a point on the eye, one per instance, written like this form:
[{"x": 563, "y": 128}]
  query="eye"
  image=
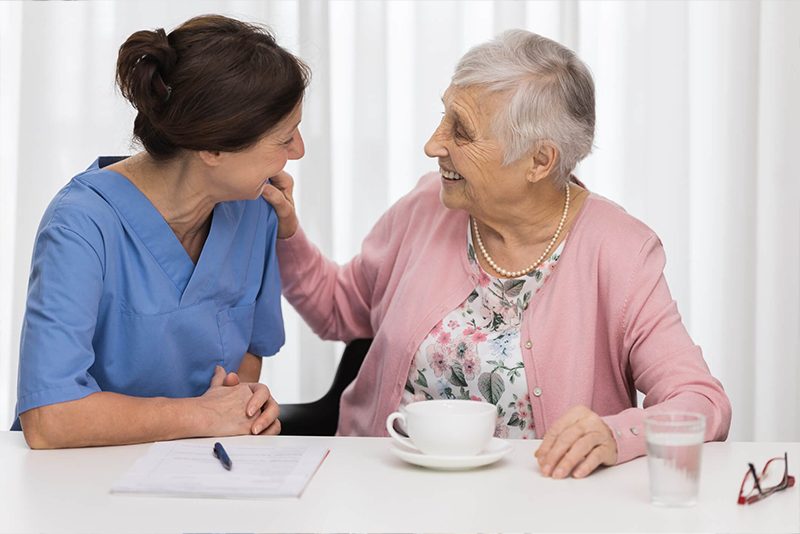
[
  {"x": 288, "y": 141},
  {"x": 459, "y": 133}
]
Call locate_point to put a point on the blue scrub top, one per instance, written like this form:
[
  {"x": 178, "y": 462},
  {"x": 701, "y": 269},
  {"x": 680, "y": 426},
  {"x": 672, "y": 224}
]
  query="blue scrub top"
[{"x": 116, "y": 304}]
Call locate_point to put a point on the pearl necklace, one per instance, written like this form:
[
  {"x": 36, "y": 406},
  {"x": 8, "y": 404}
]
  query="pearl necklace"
[{"x": 532, "y": 266}]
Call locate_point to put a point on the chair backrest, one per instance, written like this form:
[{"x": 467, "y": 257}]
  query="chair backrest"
[{"x": 321, "y": 417}]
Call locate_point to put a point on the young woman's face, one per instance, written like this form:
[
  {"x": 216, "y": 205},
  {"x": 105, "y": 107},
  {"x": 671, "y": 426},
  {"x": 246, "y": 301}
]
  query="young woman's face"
[{"x": 242, "y": 175}]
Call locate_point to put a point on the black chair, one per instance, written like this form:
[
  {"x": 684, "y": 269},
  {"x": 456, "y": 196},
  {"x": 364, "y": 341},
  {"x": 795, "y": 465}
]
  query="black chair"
[{"x": 321, "y": 417}]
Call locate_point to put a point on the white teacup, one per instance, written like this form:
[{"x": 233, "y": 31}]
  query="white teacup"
[{"x": 446, "y": 427}]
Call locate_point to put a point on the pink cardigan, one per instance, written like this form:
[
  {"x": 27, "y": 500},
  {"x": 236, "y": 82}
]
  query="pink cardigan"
[{"x": 603, "y": 326}]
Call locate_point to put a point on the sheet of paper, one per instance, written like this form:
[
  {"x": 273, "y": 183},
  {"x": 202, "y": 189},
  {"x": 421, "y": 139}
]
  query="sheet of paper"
[{"x": 181, "y": 469}]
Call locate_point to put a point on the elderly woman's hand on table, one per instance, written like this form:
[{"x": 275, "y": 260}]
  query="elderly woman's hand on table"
[{"x": 578, "y": 442}]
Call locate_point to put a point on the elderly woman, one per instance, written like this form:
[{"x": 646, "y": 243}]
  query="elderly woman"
[
  {"x": 150, "y": 271},
  {"x": 501, "y": 278}
]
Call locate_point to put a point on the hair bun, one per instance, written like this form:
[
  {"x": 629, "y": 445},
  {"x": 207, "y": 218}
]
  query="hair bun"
[
  {"x": 214, "y": 83},
  {"x": 144, "y": 65}
]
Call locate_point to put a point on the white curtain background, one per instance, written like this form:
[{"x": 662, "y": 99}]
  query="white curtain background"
[{"x": 698, "y": 122}]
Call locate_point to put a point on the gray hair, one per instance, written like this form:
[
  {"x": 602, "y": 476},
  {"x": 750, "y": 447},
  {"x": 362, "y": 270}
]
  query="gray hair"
[{"x": 551, "y": 90}]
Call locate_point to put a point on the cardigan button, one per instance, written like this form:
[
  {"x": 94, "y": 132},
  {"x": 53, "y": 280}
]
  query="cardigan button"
[
  {"x": 537, "y": 392},
  {"x": 634, "y": 431},
  {"x": 528, "y": 344}
]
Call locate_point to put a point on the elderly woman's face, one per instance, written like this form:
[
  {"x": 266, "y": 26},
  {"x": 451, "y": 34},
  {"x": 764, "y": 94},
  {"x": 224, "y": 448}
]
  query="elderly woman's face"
[{"x": 470, "y": 156}]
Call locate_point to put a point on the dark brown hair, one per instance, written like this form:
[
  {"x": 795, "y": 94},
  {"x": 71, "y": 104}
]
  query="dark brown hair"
[{"x": 213, "y": 83}]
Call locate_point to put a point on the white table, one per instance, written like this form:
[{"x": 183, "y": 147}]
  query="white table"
[{"x": 362, "y": 487}]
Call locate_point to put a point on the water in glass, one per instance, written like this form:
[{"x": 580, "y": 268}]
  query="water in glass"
[{"x": 674, "y": 462}]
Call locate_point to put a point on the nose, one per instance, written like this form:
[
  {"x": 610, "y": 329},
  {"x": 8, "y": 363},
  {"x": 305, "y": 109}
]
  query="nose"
[
  {"x": 298, "y": 148},
  {"x": 434, "y": 148}
]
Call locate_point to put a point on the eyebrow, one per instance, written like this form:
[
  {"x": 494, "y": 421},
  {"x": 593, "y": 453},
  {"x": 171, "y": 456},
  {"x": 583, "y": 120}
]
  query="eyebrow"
[
  {"x": 283, "y": 133},
  {"x": 455, "y": 112}
]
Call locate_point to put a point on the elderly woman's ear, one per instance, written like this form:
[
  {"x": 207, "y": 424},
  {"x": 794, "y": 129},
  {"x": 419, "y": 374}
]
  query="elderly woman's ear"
[{"x": 543, "y": 161}]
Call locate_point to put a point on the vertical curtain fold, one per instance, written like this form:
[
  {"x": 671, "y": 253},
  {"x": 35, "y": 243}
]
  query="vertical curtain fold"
[
  {"x": 723, "y": 113},
  {"x": 776, "y": 366},
  {"x": 10, "y": 66}
]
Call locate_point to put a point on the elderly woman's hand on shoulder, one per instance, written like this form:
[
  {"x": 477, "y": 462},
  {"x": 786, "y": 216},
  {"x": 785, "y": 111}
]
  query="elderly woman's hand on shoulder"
[{"x": 578, "y": 443}]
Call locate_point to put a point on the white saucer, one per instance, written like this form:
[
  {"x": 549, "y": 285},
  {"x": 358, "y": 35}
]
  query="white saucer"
[{"x": 497, "y": 449}]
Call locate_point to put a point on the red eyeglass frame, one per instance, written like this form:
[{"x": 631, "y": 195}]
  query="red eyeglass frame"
[{"x": 787, "y": 481}]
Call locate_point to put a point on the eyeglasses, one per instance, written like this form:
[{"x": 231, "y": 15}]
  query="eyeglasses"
[{"x": 774, "y": 478}]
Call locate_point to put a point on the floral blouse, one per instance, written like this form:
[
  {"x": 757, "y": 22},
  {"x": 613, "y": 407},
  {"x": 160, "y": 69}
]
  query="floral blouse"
[{"x": 474, "y": 351}]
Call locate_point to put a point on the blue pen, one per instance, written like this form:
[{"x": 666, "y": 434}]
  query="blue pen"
[{"x": 225, "y": 460}]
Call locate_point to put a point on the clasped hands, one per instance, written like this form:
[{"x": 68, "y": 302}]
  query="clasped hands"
[
  {"x": 240, "y": 408},
  {"x": 577, "y": 443}
]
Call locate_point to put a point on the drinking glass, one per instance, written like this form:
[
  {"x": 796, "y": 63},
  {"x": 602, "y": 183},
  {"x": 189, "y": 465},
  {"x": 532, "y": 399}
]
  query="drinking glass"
[{"x": 674, "y": 446}]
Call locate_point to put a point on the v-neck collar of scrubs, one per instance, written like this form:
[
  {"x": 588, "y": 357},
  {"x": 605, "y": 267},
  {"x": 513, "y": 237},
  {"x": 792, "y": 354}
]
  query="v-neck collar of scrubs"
[{"x": 191, "y": 281}]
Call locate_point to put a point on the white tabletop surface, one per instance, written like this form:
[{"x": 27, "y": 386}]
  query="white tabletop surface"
[{"x": 362, "y": 487}]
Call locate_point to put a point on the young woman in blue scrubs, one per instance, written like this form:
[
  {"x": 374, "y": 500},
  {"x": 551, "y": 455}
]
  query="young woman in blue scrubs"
[{"x": 150, "y": 272}]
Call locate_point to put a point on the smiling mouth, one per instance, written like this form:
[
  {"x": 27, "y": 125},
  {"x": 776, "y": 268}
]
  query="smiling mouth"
[{"x": 450, "y": 176}]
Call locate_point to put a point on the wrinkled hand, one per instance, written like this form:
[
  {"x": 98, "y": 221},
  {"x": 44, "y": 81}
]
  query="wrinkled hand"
[
  {"x": 279, "y": 193},
  {"x": 262, "y": 405},
  {"x": 577, "y": 443}
]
